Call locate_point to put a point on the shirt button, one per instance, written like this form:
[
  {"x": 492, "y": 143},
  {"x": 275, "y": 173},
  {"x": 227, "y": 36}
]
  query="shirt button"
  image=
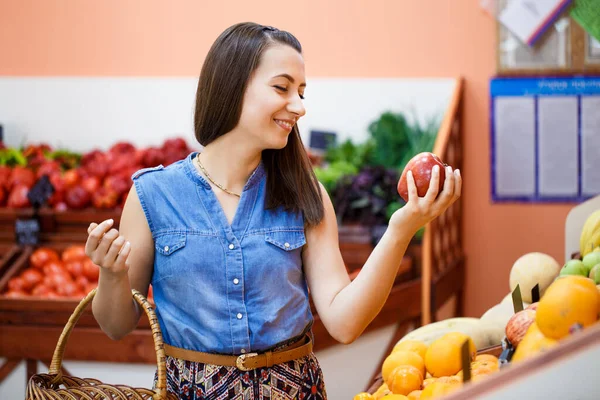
[
  {"x": 239, "y": 316},
  {"x": 243, "y": 351},
  {"x": 287, "y": 245},
  {"x": 231, "y": 246},
  {"x": 236, "y": 281},
  {"x": 166, "y": 248}
]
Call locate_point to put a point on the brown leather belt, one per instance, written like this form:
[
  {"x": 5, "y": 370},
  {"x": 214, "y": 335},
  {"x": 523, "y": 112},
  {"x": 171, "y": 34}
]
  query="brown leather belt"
[{"x": 248, "y": 361}]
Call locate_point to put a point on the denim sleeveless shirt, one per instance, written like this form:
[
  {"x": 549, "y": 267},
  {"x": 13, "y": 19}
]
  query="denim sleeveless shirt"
[{"x": 222, "y": 288}]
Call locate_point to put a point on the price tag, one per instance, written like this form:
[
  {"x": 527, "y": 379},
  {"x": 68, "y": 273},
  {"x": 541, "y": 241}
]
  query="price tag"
[
  {"x": 535, "y": 293},
  {"x": 465, "y": 356},
  {"x": 27, "y": 232},
  {"x": 517, "y": 299},
  {"x": 40, "y": 192}
]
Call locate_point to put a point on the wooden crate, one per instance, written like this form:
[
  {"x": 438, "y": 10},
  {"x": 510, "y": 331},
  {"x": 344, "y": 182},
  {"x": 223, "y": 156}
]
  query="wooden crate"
[{"x": 55, "y": 226}]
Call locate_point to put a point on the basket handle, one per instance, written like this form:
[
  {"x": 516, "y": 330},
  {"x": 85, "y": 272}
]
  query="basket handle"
[{"x": 57, "y": 357}]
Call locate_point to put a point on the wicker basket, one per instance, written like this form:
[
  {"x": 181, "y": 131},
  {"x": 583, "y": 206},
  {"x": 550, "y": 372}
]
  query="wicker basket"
[{"x": 55, "y": 386}]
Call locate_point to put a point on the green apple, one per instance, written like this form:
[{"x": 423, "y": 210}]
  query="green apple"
[
  {"x": 590, "y": 260},
  {"x": 574, "y": 267},
  {"x": 595, "y": 274}
]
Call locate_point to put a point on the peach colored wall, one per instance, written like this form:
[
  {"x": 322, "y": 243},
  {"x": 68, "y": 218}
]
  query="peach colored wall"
[{"x": 341, "y": 38}]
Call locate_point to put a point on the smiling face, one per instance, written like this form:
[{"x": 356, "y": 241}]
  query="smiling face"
[{"x": 273, "y": 99}]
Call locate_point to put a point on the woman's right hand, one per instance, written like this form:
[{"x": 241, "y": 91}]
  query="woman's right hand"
[{"x": 107, "y": 248}]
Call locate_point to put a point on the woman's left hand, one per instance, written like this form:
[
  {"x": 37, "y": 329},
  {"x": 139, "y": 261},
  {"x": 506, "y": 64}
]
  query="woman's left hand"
[{"x": 418, "y": 211}]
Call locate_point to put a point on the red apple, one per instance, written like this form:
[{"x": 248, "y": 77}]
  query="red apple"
[
  {"x": 105, "y": 198},
  {"x": 5, "y": 173},
  {"x": 117, "y": 184},
  {"x": 91, "y": 184},
  {"x": 518, "y": 324},
  {"x": 153, "y": 157},
  {"x": 22, "y": 176},
  {"x": 77, "y": 197},
  {"x": 18, "y": 197},
  {"x": 122, "y": 148},
  {"x": 71, "y": 178},
  {"x": 421, "y": 166},
  {"x": 95, "y": 163},
  {"x": 48, "y": 168},
  {"x": 175, "y": 143}
]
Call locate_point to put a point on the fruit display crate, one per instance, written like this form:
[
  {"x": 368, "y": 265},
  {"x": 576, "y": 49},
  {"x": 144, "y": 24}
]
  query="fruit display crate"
[
  {"x": 567, "y": 371},
  {"x": 55, "y": 226},
  {"x": 378, "y": 380}
]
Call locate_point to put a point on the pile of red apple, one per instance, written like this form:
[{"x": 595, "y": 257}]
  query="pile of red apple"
[
  {"x": 100, "y": 179},
  {"x": 50, "y": 274}
]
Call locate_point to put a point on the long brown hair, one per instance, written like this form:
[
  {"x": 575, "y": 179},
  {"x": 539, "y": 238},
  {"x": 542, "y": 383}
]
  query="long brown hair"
[{"x": 291, "y": 182}]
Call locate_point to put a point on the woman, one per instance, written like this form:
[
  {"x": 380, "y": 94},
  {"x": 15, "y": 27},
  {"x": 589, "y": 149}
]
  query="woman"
[{"x": 234, "y": 238}]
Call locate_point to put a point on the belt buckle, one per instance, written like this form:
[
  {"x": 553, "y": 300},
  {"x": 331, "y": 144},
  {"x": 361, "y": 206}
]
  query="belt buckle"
[{"x": 239, "y": 363}]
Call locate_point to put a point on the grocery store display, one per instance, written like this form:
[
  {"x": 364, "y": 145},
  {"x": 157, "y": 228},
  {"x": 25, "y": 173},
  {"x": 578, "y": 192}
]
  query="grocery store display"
[
  {"x": 98, "y": 179},
  {"x": 557, "y": 303},
  {"x": 408, "y": 374}
]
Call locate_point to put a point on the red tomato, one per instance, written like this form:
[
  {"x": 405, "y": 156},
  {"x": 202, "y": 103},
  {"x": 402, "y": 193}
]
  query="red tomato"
[
  {"x": 40, "y": 290},
  {"x": 15, "y": 294},
  {"x": 82, "y": 282},
  {"x": 67, "y": 289},
  {"x": 16, "y": 284},
  {"x": 31, "y": 278},
  {"x": 91, "y": 270},
  {"x": 55, "y": 267},
  {"x": 41, "y": 256},
  {"x": 56, "y": 281},
  {"x": 74, "y": 252},
  {"x": 52, "y": 295},
  {"x": 74, "y": 267}
]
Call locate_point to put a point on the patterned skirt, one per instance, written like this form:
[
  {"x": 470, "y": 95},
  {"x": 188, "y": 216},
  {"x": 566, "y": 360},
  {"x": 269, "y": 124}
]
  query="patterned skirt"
[{"x": 298, "y": 379}]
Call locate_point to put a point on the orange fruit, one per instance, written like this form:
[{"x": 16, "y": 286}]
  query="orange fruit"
[
  {"x": 395, "y": 397},
  {"x": 443, "y": 357},
  {"x": 533, "y": 342},
  {"x": 438, "y": 389},
  {"x": 491, "y": 365},
  {"x": 399, "y": 358},
  {"x": 460, "y": 338},
  {"x": 363, "y": 396},
  {"x": 567, "y": 301},
  {"x": 449, "y": 379},
  {"x": 404, "y": 379},
  {"x": 411, "y": 345},
  {"x": 415, "y": 395},
  {"x": 486, "y": 357}
]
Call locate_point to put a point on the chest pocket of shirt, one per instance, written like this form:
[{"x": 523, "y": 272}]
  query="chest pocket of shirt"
[
  {"x": 286, "y": 240},
  {"x": 170, "y": 258}
]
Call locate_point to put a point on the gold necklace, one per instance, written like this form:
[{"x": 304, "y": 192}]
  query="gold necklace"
[{"x": 211, "y": 179}]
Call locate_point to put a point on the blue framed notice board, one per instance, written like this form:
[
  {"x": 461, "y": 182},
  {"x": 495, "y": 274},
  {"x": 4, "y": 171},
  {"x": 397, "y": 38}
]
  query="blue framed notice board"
[{"x": 545, "y": 139}]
